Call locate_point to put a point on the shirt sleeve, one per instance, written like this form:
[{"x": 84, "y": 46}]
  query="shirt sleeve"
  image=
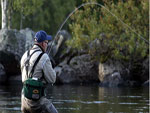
[
  {"x": 22, "y": 62},
  {"x": 49, "y": 72}
]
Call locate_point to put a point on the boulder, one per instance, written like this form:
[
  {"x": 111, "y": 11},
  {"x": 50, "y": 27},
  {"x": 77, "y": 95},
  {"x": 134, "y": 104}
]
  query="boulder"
[
  {"x": 112, "y": 80},
  {"x": 3, "y": 76},
  {"x": 100, "y": 45},
  {"x": 145, "y": 70},
  {"x": 112, "y": 73},
  {"x": 12, "y": 41},
  {"x": 29, "y": 37},
  {"x": 13, "y": 44},
  {"x": 80, "y": 69},
  {"x": 58, "y": 46},
  {"x": 146, "y": 83}
]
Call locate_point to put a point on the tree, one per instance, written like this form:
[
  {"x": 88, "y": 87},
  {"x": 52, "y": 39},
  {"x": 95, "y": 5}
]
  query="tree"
[
  {"x": 4, "y": 6},
  {"x": 52, "y": 14},
  {"x": 121, "y": 43},
  {"x": 26, "y": 7},
  {"x": 37, "y": 14},
  {"x": 7, "y": 11}
]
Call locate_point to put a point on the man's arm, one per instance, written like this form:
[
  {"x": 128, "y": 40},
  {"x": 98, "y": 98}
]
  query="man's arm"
[{"x": 49, "y": 72}]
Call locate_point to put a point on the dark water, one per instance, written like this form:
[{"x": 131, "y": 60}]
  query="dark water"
[{"x": 83, "y": 99}]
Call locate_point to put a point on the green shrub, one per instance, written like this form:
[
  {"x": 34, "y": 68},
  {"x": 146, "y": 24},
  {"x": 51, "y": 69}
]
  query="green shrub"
[{"x": 120, "y": 42}]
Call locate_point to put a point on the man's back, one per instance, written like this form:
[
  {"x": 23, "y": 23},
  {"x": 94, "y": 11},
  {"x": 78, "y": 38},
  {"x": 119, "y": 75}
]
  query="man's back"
[
  {"x": 44, "y": 72},
  {"x": 43, "y": 69}
]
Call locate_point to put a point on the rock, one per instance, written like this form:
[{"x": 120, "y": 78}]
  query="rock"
[
  {"x": 80, "y": 69},
  {"x": 108, "y": 68},
  {"x": 110, "y": 73},
  {"x": 12, "y": 41},
  {"x": 58, "y": 46},
  {"x": 139, "y": 70},
  {"x": 29, "y": 37},
  {"x": 66, "y": 75},
  {"x": 14, "y": 79},
  {"x": 3, "y": 77},
  {"x": 112, "y": 80},
  {"x": 13, "y": 44},
  {"x": 146, "y": 83},
  {"x": 11, "y": 49},
  {"x": 100, "y": 45},
  {"x": 145, "y": 70}
]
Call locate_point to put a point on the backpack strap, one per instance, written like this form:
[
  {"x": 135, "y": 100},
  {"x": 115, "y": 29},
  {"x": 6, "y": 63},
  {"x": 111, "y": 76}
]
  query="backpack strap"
[
  {"x": 28, "y": 59},
  {"x": 27, "y": 63},
  {"x": 31, "y": 73}
]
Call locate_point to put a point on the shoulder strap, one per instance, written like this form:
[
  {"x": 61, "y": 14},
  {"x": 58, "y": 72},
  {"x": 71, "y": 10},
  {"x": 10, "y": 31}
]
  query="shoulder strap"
[
  {"x": 28, "y": 59},
  {"x": 31, "y": 73},
  {"x": 27, "y": 62}
]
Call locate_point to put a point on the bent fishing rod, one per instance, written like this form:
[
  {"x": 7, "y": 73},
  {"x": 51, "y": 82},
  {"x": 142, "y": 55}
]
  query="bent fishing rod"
[{"x": 91, "y": 3}]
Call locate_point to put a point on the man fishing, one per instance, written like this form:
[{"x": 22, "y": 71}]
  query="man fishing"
[{"x": 37, "y": 71}]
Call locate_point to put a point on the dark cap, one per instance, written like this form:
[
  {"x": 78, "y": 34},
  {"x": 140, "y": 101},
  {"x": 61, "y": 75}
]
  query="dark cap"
[{"x": 41, "y": 36}]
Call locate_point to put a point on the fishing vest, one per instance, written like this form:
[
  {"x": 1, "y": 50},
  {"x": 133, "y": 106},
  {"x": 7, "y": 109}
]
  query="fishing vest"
[{"x": 33, "y": 88}]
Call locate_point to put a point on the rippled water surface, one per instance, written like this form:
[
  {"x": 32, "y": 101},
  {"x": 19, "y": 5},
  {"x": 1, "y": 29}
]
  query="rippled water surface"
[{"x": 83, "y": 99}]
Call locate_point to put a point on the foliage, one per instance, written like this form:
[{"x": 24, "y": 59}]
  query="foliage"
[
  {"x": 40, "y": 14},
  {"x": 118, "y": 42},
  {"x": 27, "y": 7},
  {"x": 50, "y": 15},
  {"x": 53, "y": 13}
]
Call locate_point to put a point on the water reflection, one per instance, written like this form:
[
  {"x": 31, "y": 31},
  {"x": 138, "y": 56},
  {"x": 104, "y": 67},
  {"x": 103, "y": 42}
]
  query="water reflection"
[
  {"x": 10, "y": 99},
  {"x": 128, "y": 100},
  {"x": 83, "y": 99}
]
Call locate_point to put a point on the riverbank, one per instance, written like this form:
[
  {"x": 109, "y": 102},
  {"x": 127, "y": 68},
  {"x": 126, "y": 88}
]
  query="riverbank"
[
  {"x": 13, "y": 80},
  {"x": 72, "y": 66}
]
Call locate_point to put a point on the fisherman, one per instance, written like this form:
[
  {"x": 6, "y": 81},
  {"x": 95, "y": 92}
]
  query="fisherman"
[{"x": 37, "y": 72}]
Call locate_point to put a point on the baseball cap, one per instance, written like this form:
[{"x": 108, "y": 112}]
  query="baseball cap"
[{"x": 41, "y": 36}]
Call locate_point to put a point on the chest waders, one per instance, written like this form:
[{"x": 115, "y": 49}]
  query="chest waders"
[{"x": 32, "y": 88}]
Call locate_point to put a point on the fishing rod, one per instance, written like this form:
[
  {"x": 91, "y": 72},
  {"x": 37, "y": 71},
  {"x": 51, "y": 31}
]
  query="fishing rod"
[{"x": 92, "y": 3}]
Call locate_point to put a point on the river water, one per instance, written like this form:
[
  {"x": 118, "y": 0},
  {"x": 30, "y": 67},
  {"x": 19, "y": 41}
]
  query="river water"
[{"x": 83, "y": 99}]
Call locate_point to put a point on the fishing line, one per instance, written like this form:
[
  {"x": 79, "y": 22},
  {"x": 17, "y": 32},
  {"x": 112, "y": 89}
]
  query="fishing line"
[{"x": 92, "y": 3}]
